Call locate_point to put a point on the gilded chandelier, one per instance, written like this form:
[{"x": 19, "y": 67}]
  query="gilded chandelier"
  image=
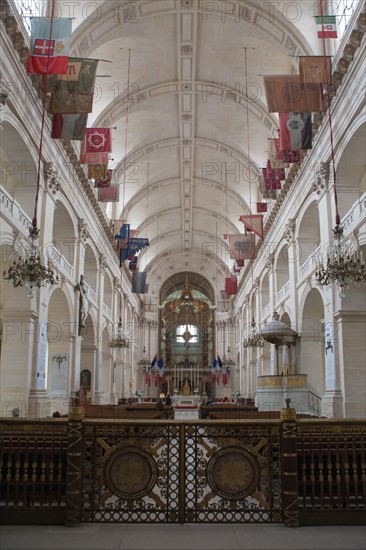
[
  {"x": 255, "y": 339},
  {"x": 340, "y": 268},
  {"x": 29, "y": 270},
  {"x": 120, "y": 341}
]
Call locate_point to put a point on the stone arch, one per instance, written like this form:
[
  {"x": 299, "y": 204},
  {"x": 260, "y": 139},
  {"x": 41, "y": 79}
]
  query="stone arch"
[
  {"x": 91, "y": 267},
  {"x": 108, "y": 291},
  {"x": 64, "y": 231},
  {"x": 281, "y": 269},
  {"x": 59, "y": 351},
  {"x": 264, "y": 292},
  {"x": 312, "y": 361},
  {"x": 351, "y": 178},
  {"x": 19, "y": 167},
  {"x": 19, "y": 336},
  {"x": 308, "y": 234}
]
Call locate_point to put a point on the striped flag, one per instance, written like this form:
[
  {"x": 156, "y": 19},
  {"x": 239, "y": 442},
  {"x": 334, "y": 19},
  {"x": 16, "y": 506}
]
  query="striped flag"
[
  {"x": 327, "y": 25},
  {"x": 49, "y": 49}
]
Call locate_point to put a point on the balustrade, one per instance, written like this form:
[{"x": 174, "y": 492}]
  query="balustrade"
[
  {"x": 57, "y": 258},
  {"x": 281, "y": 294},
  {"x": 91, "y": 295},
  {"x": 16, "y": 215},
  {"x": 107, "y": 311}
]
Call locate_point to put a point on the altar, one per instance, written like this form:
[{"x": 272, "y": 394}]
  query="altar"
[{"x": 187, "y": 400}]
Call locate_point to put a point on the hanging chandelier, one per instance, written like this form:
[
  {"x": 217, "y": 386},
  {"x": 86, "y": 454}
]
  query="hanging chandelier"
[
  {"x": 120, "y": 341},
  {"x": 29, "y": 270},
  {"x": 340, "y": 268},
  {"x": 255, "y": 339}
]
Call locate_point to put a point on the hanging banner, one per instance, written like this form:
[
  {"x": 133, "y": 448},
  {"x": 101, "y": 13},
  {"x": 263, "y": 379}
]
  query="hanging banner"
[
  {"x": 109, "y": 194},
  {"x": 327, "y": 25},
  {"x": 285, "y": 93},
  {"x": 275, "y": 155},
  {"x": 72, "y": 93},
  {"x": 139, "y": 283},
  {"x": 49, "y": 53},
  {"x": 315, "y": 69},
  {"x": 295, "y": 131},
  {"x": 98, "y": 140},
  {"x": 92, "y": 158},
  {"x": 97, "y": 171},
  {"x": 254, "y": 223},
  {"x": 69, "y": 127},
  {"x": 242, "y": 247},
  {"x": 261, "y": 206},
  {"x": 106, "y": 182},
  {"x": 231, "y": 285}
]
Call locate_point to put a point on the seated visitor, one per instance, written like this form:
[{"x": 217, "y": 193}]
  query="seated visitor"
[
  {"x": 168, "y": 399},
  {"x": 160, "y": 405}
]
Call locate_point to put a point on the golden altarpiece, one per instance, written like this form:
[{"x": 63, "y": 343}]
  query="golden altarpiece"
[{"x": 186, "y": 334}]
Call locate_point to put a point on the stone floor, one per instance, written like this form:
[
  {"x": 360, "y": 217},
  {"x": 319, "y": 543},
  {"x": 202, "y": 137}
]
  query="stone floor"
[{"x": 181, "y": 537}]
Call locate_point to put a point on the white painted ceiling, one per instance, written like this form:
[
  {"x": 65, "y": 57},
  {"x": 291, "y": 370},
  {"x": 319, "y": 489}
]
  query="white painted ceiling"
[{"x": 187, "y": 148}]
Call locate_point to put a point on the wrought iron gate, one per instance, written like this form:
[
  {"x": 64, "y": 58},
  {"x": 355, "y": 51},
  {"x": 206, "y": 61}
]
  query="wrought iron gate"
[{"x": 175, "y": 472}]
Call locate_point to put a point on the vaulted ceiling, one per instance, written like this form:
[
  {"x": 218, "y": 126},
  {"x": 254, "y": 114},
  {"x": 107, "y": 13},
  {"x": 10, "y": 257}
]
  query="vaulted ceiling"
[{"x": 195, "y": 78}]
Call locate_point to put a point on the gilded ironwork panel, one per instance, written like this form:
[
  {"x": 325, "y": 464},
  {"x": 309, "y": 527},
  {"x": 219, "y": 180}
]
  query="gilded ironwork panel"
[
  {"x": 131, "y": 472},
  {"x": 232, "y": 473}
]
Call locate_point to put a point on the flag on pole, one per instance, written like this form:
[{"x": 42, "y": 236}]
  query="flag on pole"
[
  {"x": 148, "y": 375},
  {"x": 139, "y": 282},
  {"x": 261, "y": 207},
  {"x": 108, "y": 194},
  {"x": 92, "y": 158},
  {"x": 275, "y": 155},
  {"x": 49, "y": 51},
  {"x": 161, "y": 368},
  {"x": 98, "y": 172},
  {"x": 213, "y": 369},
  {"x": 242, "y": 247},
  {"x": 271, "y": 178},
  {"x": 295, "y": 131},
  {"x": 106, "y": 182},
  {"x": 72, "y": 92},
  {"x": 231, "y": 285},
  {"x": 224, "y": 374},
  {"x": 285, "y": 93},
  {"x": 327, "y": 25},
  {"x": 314, "y": 69},
  {"x": 69, "y": 126},
  {"x": 98, "y": 140},
  {"x": 154, "y": 361},
  {"x": 254, "y": 223}
]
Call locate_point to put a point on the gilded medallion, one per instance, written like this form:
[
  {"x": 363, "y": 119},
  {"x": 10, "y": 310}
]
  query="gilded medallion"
[
  {"x": 130, "y": 473},
  {"x": 233, "y": 473}
]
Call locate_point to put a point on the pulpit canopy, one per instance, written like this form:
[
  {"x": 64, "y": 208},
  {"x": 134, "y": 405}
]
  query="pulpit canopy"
[{"x": 278, "y": 333}]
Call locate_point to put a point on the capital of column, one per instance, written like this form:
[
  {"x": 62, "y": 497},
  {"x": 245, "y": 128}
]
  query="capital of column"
[
  {"x": 52, "y": 177},
  {"x": 83, "y": 230}
]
